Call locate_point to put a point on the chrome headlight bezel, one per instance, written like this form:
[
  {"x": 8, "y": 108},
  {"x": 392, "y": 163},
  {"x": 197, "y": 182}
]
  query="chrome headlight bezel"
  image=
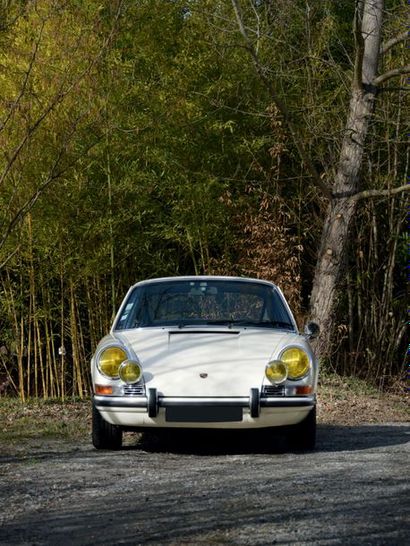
[
  {"x": 309, "y": 366},
  {"x": 276, "y": 363},
  {"x": 101, "y": 353},
  {"x": 121, "y": 371}
]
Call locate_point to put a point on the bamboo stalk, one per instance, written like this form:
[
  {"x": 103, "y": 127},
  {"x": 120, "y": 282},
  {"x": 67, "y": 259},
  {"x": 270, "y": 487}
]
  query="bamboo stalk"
[
  {"x": 77, "y": 376},
  {"x": 41, "y": 360},
  {"x": 62, "y": 337}
]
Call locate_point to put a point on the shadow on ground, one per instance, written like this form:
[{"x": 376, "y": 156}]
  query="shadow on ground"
[
  {"x": 330, "y": 439},
  {"x": 158, "y": 491}
]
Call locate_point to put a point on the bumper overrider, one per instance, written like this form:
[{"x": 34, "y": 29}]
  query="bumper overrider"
[{"x": 203, "y": 409}]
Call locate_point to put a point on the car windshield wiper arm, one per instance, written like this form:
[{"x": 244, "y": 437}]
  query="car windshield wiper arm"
[
  {"x": 245, "y": 322},
  {"x": 221, "y": 322},
  {"x": 236, "y": 322},
  {"x": 182, "y": 323},
  {"x": 274, "y": 324}
]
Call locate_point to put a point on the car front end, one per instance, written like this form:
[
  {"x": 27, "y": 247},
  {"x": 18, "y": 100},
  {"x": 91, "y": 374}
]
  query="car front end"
[{"x": 188, "y": 372}]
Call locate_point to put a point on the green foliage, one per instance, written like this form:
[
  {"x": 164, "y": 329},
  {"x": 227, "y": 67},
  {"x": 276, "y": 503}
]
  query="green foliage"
[{"x": 168, "y": 158}]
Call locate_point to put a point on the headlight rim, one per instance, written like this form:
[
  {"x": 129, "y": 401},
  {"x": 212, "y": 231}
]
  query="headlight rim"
[
  {"x": 310, "y": 362},
  {"x": 101, "y": 352},
  {"x": 276, "y": 361},
  {"x": 125, "y": 363}
]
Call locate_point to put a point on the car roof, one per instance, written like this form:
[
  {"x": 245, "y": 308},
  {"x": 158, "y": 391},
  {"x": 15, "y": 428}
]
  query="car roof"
[{"x": 205, "y": 278}]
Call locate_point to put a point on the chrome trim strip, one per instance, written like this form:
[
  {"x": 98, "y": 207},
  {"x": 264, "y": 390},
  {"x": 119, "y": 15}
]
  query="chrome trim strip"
[
  {"x": 294, "y": 402},
  {"x": 164, "y": 402},
  {"x": 202, "y": 331},
  {"x": 167, "y": 402},
  {"x": 120, "y": 401}
]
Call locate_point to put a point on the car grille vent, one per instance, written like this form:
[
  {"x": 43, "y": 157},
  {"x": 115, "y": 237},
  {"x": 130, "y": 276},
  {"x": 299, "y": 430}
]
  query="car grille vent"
[
  {"x": 273, "y": 390},
  {"x": 134, "y": 390}
]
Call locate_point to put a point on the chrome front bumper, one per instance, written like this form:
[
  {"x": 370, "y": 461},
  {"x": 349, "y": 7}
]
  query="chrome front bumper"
[
  {"x": 251, "y": 411},
  {"x": 164, "y": 401}
]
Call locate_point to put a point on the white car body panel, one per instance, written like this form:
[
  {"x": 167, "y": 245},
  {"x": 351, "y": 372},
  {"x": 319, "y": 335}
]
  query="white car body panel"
[
  {"x": 270, "y": 417},
  {"x": 204, "y": 365},
  {"x": 173, "y": 360}
]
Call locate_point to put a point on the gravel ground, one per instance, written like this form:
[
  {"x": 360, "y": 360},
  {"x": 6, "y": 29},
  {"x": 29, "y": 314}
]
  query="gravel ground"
[{"x": 248, "y": 490}]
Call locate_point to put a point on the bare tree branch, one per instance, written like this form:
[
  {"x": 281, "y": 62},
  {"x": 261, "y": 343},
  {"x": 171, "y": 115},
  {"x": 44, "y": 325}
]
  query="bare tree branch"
[
  {"x": 386, "y": 46},
  {"x": 239, "y": 20},
  {"x": 30, "y": 131},
  {"x": 26, "y": 78},
  {"x": 9, "y": 257},
  {"x": 7, "y": 25},
  {"x": 379, "y": 193},
  {"x": 59, "y": 97},
  {"x": 261, "y": 71},
  {"x": 53, "y": 174},
  {"x": 391, "y": 74}
]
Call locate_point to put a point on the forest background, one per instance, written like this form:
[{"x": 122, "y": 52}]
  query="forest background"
[{"x": 142, "y": 139}]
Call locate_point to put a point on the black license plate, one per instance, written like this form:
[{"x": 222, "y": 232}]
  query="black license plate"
[{"x": 203, "y": 414}]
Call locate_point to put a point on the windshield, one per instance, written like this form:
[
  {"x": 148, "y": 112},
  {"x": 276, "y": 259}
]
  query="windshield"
[{"x": 204, "y": 302}]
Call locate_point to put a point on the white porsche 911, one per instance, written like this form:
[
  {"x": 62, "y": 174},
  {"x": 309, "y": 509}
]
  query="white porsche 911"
[{"x": 204, "y": 352}]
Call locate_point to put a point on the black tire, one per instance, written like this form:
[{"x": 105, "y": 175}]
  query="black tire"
[
  {"x": 105, "y": 435},
  {"x": 303, "y": 435}
]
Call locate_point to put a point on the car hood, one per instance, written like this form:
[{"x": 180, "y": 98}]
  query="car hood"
[{"x": 204, "y": 362}]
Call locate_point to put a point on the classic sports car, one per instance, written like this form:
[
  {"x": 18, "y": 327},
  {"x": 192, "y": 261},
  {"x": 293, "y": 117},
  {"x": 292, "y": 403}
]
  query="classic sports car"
[{"x": 204, "y": 352}]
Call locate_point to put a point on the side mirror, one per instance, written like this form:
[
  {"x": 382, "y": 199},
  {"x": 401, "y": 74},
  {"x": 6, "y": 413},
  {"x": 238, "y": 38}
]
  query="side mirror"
[{"x": 312, "y": 330}]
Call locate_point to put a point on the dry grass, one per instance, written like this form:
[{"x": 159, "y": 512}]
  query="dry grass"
[
  {"x": 43, "y": 419},
  {"x": 350, "y": 401},
  {"x": 344, "y": 401}
]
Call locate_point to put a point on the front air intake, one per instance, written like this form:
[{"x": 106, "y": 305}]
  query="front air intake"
[
  {"x": 273, "y": 390},
  {"x": 136, "y": 389}
]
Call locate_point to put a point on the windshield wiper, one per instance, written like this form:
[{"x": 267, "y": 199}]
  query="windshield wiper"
[
  {"x": 238, "y": 322},
  {"x": 183, "y": 323},
  {"x": 221, "y": 322},
  {"x": 245, "y": 322},
  {"x": 274, "y": 324}
]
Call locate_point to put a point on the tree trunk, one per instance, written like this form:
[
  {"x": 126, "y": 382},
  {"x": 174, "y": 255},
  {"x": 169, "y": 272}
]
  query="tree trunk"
[{"x": 341, "y": 209}]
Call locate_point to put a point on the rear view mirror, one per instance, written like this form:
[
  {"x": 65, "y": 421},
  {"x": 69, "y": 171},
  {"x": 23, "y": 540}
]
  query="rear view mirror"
[{"x": 312, "y": 330}]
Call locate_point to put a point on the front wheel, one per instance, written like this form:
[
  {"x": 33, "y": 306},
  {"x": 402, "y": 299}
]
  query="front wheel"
[
  {"x": 105, "y": 435},
  {"x": 303, "y": 435}
]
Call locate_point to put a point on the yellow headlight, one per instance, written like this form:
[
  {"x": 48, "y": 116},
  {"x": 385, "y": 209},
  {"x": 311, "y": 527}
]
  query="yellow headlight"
[
  {"x": 130, "y": 372},
  {"x": 110, "y": 361},
  {"x": 276, "y": 371},
  {"x": 297, "y": 362}
]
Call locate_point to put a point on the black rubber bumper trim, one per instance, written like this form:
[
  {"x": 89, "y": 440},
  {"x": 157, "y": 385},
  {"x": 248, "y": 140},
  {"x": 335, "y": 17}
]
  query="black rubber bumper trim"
[
  {"x": 254, "y": 403},
  {"x": 152, "y": 403}
]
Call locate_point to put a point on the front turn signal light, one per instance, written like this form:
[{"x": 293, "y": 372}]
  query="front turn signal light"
[
  {"x": 276, "y": 372},
  {"x": 304, "y": 389},
  {"x": 103, "y": 389}
]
